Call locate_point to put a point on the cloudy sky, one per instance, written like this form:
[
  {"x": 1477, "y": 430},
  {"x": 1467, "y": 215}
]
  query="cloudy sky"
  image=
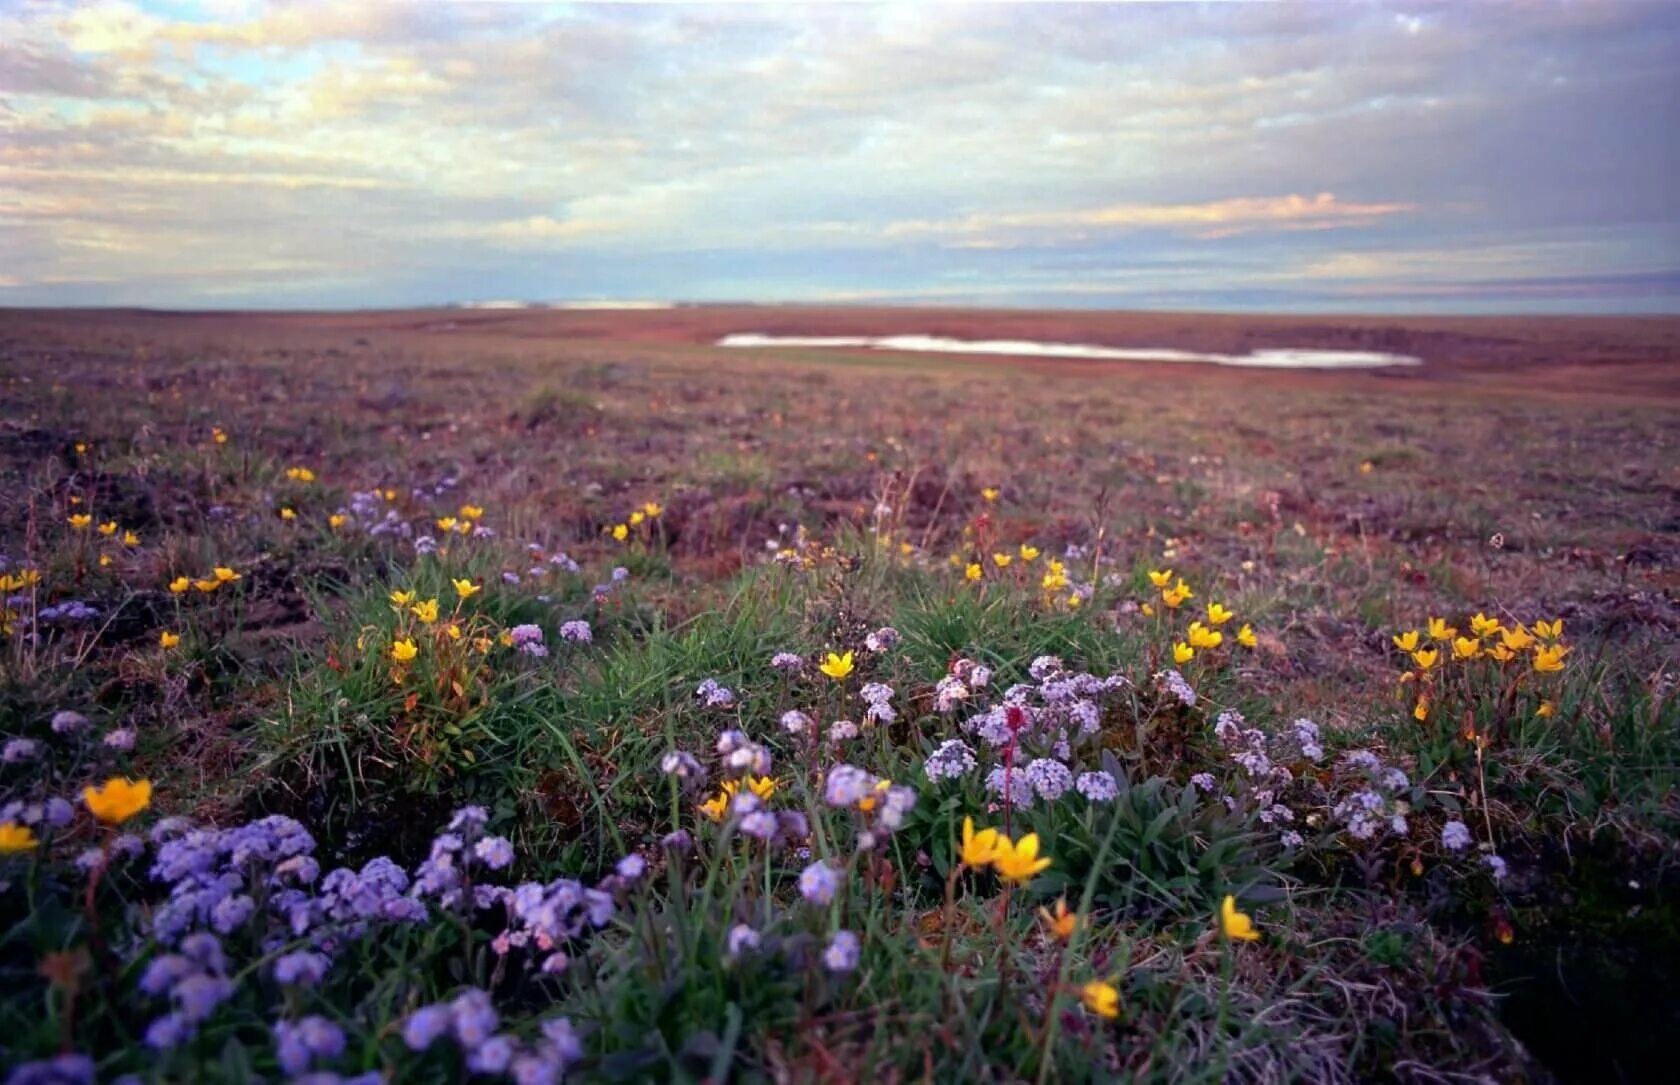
[{"x": 1332, "y": 156}]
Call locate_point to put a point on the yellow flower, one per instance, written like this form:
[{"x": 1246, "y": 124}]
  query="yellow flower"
[
  {"x": 453, "y": 630},
  {"x": 1002, "y": 560},
  {"x": 465, "y": 588},
  {"x": 15, "y": 838},
  {"x": 1183, "y": 653},
  {"x": 390, "y": 495},
  {"x": 1366, "y": 467},
  {"x": 1501, "y": 653},
  {"x": 1061, "y": 923},
  {"x": 636, "y": 518},
  {"x": 224, "y": 574},
  {"x": 1160, "y": 578},
  {"x": 1234, "y": 924},
  {"x": 1202, "y": 637},
  {"x": 653, "y": 509},
  {"x": 989, "y": 493},
  {"x": 81, "y": 448},
  {"x": 973, "y": 572},
  {"x": 1545, "y": 711},
  {"x": 1516, "y": 638},
  {"x": 1173, "y": 598},
  {"x": 1148, "y": 610},
  {"x": 978, "y": 848},
  {"x": 620, "y": 532},
  {"x": 1019, "y": 861},
  {"x": 80, "y": 521},
  {"x": 1102, "y": 999},
  {"x": 836, "y": 667},
  {"x": 108, "y": 528},
  {"x": 287, "y": 514},
  {"x": 218, "y": 435},
  {"x": 1407, "y": 641},
  {"x": 401, "y": 598},
  {"x": 505, "y": 639},
  {"x": 447, "y": 523},
  {"x": 1466, "y": 648},
  {"x": 168, "y": 639},
  {"x": 118, "y": 799},
  {"x": 300, "y": 474},
  {"x": 1218, "y": 615},
  {"x": 1425, "y": 658},
  {"x": 404, "y": 650},
  {"x": 179, "y": 585},
  {"x": 336, "y": 520},
  {"x": 1484, "y": 626},
  {"x": 1548, "y": 658},
  {"x": 1246, "y": 637},
  {"x": 1055, "y": 576},
  {"x": 130, "y": 539},
  {"x": 1183, "y": 589},
  {"x": 1551, "y": 630},
  {"x": 207, "y": 585},
  {"x": 717, "y": 806},
  {"x": 762, "y": 786},
  {"x": 105, "y": 561},
  {"x": 426, "y": 611},
  {"x": 1440, "y": 630},
  {"x": 472, "y": 512},
  {"x": 1028, "y": 553},
  {"x": 1420, "y": 711}
]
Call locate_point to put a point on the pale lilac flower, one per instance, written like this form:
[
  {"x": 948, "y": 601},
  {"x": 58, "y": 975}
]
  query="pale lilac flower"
[
  {"x": 492, "y": 1056},
  {"x": 424, "y": 1026},
  {"x": 577, "y": 631},
  {"x": 787, "y": 662},
  {"x": 631, "y": 867},
  {"x": 742, "y": 940},
  {"x": 681, "y": 765},
  {"x": 842, "y": 953},
  {"x": 494, "y": 852},
  {"x": 841, "y": 731},
  {"x": 882, "y": 639},
  {"x": 1097, "y": 786},
  {"x": 795, "y": 722},
  {"x": 120, "y": 740},
  {"x": 19, "y": 750},
  {"x": 760, "y": 825},
  {"x": 953, "y": 758},
  {"x": 303, "y": 968},
  {"x": 1455, "y": 836},
  {"x": 68, "y": 723},
  {"x": 1497, "y": 866},
  {"x": 818, "y": 883},
  {"x": 1049, "y": 778}
]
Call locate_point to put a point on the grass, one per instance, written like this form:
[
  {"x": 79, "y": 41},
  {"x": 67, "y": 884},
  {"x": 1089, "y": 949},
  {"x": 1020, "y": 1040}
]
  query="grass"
[{"x": 802, "y": 507}]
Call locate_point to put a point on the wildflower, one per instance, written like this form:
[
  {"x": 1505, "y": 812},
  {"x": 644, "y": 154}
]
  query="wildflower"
[
  {"x": 1425, "y": 658},
  {"x": 842, "y": 953},
  {"x": 1420, "y": 711},
  {"x": 465, "y": 588},
  {"x": 990, "y": 494},
  {"x": 472, "y": 512},
  {"x": 836, "y": 667},
  {"x": 287, "y": 514},
  {"x": 404, "y": 650},
  {"x": 224, "y": 574},
  {"x": 1202, "y": 637},
  {"x": 1407, "y": 642},
  {"x": 1049, "y": 778},
  {"x": 742, "y": 939},
  {"x": 108, "y": 528},
  {"x": 1439, "y": 630},
  {"x": 1545, "y": 711},
  {"x": 1182, "y": 653},
  {"x": 19, "y": 750},
  {"x": 1055, "y": 576},
  {"x": 15, "y": 838},
  {"x": 302, "y": 968},
  {"x": 494, "y": 852},
  {"x": 424, "y": 1026},
  {"x": 1483, "y": 626},
  {"x": 576, "y": 631},
  {"x": 762, "y": 786},
  {"x": 447, "y": 523},
  {"x": 1455, "y": 836},
  {"x": 1246, "y": 637},
  {"x": 1218, "y": 615},
  {"x": 1466, "y": 648},
  {"x": 818, "y": 883},
  {"x": 715, "y": 807},
  {"x": 1102, "y": 999},
  {"x": 129, "y": 538},
  {"x": 1002, "y": 560},
  {"x": 426, "y": 611},
  {"x": 1551, "y": 630},
  {"x": 978, "y": 849},
  {"x": 300, "y": 474},
  {"x": 1061, "y": 923},
  {"x": 652, "y": 509},
  {"x": 973, "y": 571},
  {"x": 218, "y": 435},
  {"x": 1019, "y": 861},
  {"x": 1028, "y": 553},
  {"x": 80, "y": 521},
  {"x": 121, "y": 740},
  {"x": 1097, "y": 786},
  {"x": 1496, "y": 866},
  {"x": 167, "y": 639},
  {"x": 1234, "y": 924},
  {"x": 336, "y": 520},
  {"x": 401, "y": 598},
  {"x": 952, "y": 759},
  {"x": 620, "y": 532},
  {"x": 636, "y": 518},
  {"x": 1516, "y": 638},
  {"x": 118, "y": 799},
  {"x": 1172, "y": 598},
  {"x": 1548, "y": 658}
]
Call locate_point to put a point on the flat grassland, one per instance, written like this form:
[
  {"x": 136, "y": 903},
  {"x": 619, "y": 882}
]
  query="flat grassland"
[{"x": 1463, "y": 866}]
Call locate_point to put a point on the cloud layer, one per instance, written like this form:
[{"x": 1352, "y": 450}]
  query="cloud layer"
[{"x": 1371, "y": 156}]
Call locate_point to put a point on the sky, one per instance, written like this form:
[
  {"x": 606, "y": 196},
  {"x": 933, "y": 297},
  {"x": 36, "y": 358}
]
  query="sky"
[{"x": 1335, "y": 157}]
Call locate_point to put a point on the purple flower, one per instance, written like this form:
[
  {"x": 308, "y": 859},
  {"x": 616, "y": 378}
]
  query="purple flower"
[
  {"x": 842, "y": 952},
  {"x": 678, "y": 841},
  {"x": 795, "y": 722},
  {"x": 473, "y": 1018},
  {"x": 58, "y": 1070},
  {"x": 121, "y": 740},
  {"x": 787, "y": 662},
  {"x": 631, "y": 867},
  {"x": 68, "y": 723},
  {"x": 168, "y": 1031},
  {"x": 760, "y": 825},
  {"x": 818, "y": 883},
  {"x": 303, "y": 968},
  {"x": 1097, "y": 786},
  {"x": 742, "y": 939},
  {"x": 882, "y": 639},
  {"x": 19, "y": 750},
  {"x": 492, "y": 1056},
  {"x": 298, "y": 1044},
  {"x": 1455, "y": 836},
  {"x": 165, "y": 972},
  {"x": 576, "y": 631},
  {"x": 231, "y": 913},
  {"x": 197, "y": 997},
  {"x": 1496, "y": 866},
  {"x": 1049, "y": 777},
  {"x": 424, "y": 1026},
  {"x": 494, "y": 852}
]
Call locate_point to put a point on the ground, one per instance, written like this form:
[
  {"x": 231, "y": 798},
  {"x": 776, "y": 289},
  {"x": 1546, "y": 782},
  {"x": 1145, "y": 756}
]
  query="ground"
[{"x": 796, "y": 501}]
